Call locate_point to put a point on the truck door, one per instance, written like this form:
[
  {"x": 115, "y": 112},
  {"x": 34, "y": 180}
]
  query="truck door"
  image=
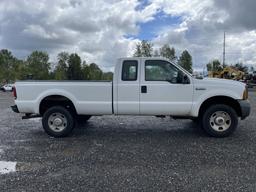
[
  {"x": 163, "y": 90},
  {"x": 128, "y": 88}
]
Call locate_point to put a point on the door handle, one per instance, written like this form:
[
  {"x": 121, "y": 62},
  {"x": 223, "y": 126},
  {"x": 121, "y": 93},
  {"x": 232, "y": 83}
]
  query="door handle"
[{"x": 143, "y": 89}]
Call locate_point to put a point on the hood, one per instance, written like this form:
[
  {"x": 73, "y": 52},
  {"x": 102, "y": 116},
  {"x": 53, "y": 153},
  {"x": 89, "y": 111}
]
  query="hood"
[{"x": 220, "y": 82}]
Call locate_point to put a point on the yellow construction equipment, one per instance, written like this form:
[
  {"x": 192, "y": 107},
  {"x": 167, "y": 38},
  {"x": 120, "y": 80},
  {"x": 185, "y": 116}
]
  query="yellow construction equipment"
[{"x": 228, "y": 72}]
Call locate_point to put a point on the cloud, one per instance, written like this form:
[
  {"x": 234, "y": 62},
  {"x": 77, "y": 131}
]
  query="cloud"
[
  {"x": 202, "y": 27},
  {"x": 94, "y": 29},
  {"x": 240, "y": 13}
]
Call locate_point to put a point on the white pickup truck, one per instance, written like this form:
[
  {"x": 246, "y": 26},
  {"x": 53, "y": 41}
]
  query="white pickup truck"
[{"x": 141, "y": 86}]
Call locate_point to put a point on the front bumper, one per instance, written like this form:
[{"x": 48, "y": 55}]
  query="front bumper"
[
  {"x": 245, "y": 108},
  {"x": 15, "y": 109}
]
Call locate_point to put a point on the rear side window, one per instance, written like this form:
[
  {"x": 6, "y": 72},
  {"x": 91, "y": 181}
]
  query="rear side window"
[{"x": 130, "y": 70}]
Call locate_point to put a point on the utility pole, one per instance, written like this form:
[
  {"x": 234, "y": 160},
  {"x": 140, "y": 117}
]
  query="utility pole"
[{"x": 224, "y": 49}]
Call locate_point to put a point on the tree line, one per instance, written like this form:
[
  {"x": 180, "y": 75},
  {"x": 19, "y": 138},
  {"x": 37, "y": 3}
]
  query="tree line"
[
  {"x": 37, "y": 67},
  {"x": 216, "y": 66},
  {"x": 71, "y": 67},
  {"x": 145, "y": 49}
]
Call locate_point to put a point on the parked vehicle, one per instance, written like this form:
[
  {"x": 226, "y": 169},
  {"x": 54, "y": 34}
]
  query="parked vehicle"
[
  {"x": 7, "y": 87},
  {"x": 141, "y": 86}
]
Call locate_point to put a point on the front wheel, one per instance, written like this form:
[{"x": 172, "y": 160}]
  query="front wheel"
[
  {"x": 220, "y": 120},
  {"x": 58, "y": 121}
]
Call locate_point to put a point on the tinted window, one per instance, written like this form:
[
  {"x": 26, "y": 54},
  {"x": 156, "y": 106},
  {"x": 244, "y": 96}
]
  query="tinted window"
[
  {"x": 129, "y": 70},
  {"x": 157, "y": 70}
]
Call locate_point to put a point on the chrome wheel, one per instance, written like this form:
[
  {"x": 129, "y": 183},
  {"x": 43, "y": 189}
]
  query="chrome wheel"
[
  {"x": 220, "y": 121},
  {"x": 57, "y": 122}
]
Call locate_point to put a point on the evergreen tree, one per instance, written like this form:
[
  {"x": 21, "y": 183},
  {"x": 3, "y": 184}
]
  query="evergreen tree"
[
  {"x": 138, "y": 50},
  {"x": 74, "y": 71},
  {"x": 167, "y": 52},
  {"x": 144, "y": 49},
  {"x": 185, "y": 61}
]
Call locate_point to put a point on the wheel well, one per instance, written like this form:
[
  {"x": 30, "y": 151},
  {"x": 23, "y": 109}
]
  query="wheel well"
[
  {"x": 221, "y": 100},
  {"x": 56, "y": 100}
]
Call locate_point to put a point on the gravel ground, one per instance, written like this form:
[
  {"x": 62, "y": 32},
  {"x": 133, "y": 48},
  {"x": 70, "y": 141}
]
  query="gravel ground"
[{"x": 126, "y": 154}]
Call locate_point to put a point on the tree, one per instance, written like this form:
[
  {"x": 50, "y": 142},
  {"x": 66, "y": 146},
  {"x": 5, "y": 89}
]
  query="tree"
[
  {"x": 74, "y": 71},
  {"x": 138, "y": 50},
  {"x": 95, "y": 73},
  {"x": 19, "y": 70},
  {"x": 61, "y": 69},
  {"x": 214, "y": 66},
  {"x": 241, "y": 67},
  {"x": 38, "y": 65},
  {"x": 167, "y": 52},
  {"x": 144, "y": 49},
  {"x": 85, "y": 71},
  {"x": 107, "y": 76},
  {"x": 252, "y": 69},
  {"x": 7, "y": 62},
  {"x": 185, "y": 61}
]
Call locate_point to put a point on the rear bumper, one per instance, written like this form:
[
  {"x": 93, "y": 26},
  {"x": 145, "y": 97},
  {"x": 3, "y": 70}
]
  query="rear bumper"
[
  {"x": 15, "y": 109},
  {"x": 245, "y": 108}
]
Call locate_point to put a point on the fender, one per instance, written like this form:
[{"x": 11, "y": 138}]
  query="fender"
[
  {"x": 51, "y": 92},
  {"x": 197, "y": 102}
]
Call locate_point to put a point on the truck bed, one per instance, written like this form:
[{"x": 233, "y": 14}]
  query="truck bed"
[{"x": 89, "y": 97}]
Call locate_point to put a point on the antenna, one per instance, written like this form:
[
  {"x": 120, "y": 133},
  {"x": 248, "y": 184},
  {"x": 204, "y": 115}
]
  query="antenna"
[{"x": 224, "y": 49}]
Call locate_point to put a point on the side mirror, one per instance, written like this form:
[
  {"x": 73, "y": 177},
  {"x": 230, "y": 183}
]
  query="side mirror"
[{"x": 185, "y": 79}]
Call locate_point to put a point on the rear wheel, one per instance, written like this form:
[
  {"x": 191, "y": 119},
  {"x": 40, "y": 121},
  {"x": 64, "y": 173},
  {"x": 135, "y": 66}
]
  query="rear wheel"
[
  {"x": 58, "y": 121},
  {"x": 220, "y": 120}
]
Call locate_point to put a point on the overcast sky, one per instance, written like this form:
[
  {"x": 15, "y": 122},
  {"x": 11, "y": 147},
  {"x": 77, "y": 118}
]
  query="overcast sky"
[{"x": 102, "y": 30}]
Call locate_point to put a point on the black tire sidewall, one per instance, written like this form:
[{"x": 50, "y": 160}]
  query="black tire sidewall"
[
  {"x": 70, "y": 121},
  {"x": 219, "y": 107}
]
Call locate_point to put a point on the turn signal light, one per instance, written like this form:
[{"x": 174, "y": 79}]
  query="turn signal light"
[{"x": 245, "y": 94}]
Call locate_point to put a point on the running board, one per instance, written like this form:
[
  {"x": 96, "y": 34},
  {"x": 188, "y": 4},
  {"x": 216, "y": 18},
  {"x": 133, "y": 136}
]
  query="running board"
[{"x": 30, "y": 116}]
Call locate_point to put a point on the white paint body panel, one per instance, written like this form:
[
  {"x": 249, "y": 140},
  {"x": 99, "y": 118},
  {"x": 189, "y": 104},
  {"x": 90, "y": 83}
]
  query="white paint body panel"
[
  {"x": 88, "y": 97},
  {"x": 127, "y": 95},
  {"x": 164, "y": 98},
  {"x": 95, "y": 98}
]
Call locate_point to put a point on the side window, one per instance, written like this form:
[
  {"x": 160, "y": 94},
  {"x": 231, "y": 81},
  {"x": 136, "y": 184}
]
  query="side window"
[
  {"x": 157, "y": 70},
  {"x": 129, "y": 70}
]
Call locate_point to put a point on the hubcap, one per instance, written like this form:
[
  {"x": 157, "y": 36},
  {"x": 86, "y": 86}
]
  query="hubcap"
[
  {"x": 57, "y": 122},
  {"x": 220, "y": 121}
]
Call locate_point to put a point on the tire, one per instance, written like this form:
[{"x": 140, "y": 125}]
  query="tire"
[
  {"x": 219, "y": 120},
  {"x": 83, "y": 118},
  {"x": 196, "y": 120},
  {"x": 58, "y": 121}
]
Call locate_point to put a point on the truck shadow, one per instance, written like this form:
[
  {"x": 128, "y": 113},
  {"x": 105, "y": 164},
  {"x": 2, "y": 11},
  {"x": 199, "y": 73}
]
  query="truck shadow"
[{"x": 186, "y": 130}]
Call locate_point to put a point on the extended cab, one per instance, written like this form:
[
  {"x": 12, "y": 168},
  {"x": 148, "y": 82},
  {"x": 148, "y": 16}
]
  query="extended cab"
[{"x": 141, "y": 86}]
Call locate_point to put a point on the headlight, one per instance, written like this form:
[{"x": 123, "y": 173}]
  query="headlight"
[{"x": 245, "y": 94}]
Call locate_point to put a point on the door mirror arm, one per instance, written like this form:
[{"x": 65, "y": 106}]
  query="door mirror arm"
[{"x": 185, "y": 79}]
